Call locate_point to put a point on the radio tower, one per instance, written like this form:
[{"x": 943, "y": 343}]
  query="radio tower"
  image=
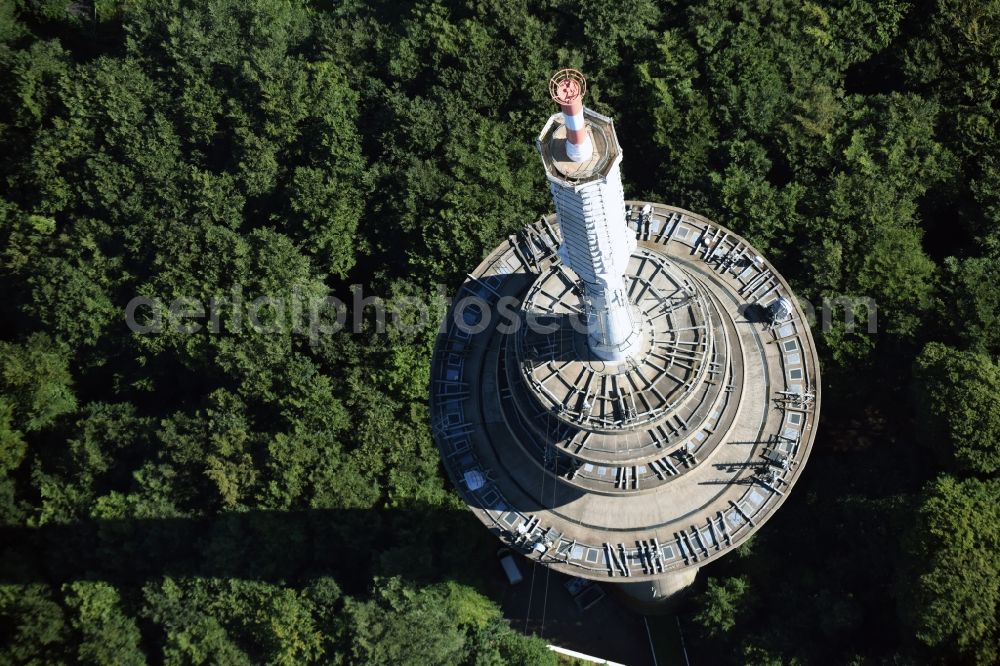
[
  {"x": 624, "y": 391},
  {"x": 583, "y": 164}
]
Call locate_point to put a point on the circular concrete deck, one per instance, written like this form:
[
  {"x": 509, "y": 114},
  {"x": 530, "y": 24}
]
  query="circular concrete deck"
[{"x": 626, "y": 471}]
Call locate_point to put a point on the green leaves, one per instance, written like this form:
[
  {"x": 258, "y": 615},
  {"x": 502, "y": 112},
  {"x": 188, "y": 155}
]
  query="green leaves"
[
  {"x": 107, "y": 634},
  {"x": 678, "y": 107},
  {"x": 325, "y": 215},
  {"x": 36, "y": 382},
  {"x": 721, "y": 605},
  {"x": 404, "y": 626},
  {"x": 955, "y": 558},
  {"x": 221, "y": 151},
  {"x": 762, "y": 211},
  {"x": 439, "y": 624},
  {"x": 969, "y": 302},
  {"x": 958, "y": 407},
  {"x": 36, "y": 625}
]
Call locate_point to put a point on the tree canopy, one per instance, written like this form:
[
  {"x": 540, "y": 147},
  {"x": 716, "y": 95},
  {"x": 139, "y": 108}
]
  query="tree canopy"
[
  {"x": 198, "y": 471},
  {"x": 958, "y": 406}
]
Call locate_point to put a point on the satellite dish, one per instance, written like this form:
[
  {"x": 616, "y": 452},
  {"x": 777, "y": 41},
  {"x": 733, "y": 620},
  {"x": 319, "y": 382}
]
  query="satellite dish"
[
  {"x": 474, "y": 479},
  {"x": 780, "y": 309}
]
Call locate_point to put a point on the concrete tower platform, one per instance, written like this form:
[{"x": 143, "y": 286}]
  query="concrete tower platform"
[{"x": 636, "y": 471}]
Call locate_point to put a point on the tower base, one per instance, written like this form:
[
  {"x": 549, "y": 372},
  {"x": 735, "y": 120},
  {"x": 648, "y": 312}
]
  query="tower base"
[
  {"x": 655, "y": 597},
  {"x": 632, "y": 346}
]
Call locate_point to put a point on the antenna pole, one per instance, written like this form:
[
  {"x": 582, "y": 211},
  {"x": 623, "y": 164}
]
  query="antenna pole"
[{"x": 567, "y": 87}]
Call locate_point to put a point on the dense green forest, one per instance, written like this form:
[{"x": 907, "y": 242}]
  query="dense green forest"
[{"x": 246, "y": 495}]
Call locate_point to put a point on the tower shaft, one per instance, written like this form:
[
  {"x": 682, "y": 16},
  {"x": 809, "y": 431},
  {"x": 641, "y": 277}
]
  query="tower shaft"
[
  {"x": 597, "y": 246},
  {"x": 582, "y": 161}
]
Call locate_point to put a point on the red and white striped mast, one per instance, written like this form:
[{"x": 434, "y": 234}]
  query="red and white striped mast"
[{"x": 567, "y": 88}]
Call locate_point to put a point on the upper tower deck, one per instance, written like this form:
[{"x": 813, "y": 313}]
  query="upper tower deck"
[{"x": 605, "y": 158}]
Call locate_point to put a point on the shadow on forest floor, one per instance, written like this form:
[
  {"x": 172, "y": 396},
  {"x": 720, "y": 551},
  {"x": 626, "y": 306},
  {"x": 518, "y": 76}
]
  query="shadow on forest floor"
[
  {"x": 352, "y": 545},
  {"x": 260, "y": 545}
]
